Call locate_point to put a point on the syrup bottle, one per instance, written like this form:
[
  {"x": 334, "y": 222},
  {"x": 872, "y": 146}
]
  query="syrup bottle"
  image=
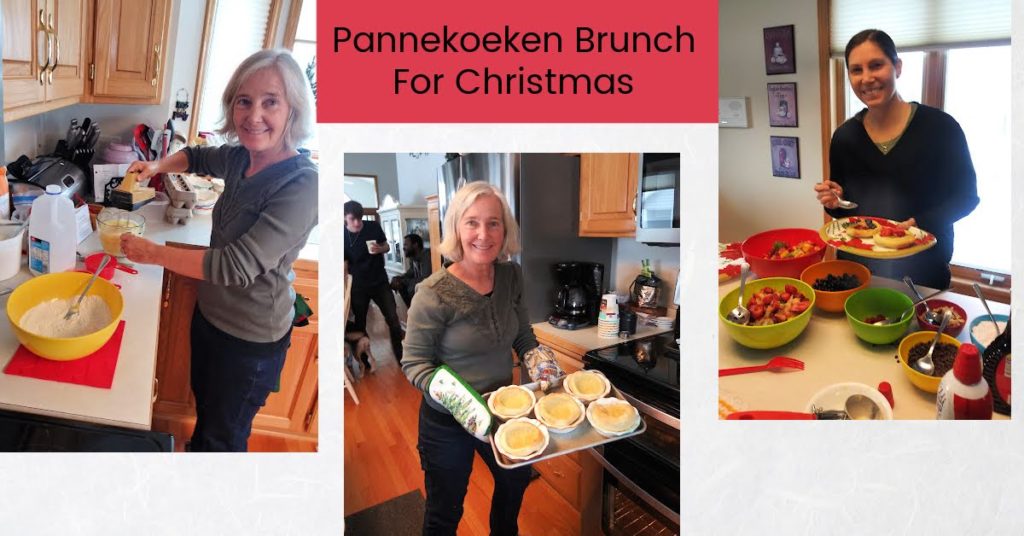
[{"x": 963, "y": 394}]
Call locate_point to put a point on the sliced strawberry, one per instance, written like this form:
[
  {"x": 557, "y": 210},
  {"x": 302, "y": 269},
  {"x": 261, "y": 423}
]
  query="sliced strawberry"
[{"x": 790, "y": 289}]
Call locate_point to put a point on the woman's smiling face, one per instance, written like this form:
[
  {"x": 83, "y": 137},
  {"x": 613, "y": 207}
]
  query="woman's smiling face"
[
  {"x": 261, "y": 112},
  {"x": 872, "y": 74},
  {"x": 482, "y": 230}
]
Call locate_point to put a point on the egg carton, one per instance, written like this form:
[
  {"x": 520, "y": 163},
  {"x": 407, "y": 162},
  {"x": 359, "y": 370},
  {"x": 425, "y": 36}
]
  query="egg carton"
[{"x": 182, "y": 199}]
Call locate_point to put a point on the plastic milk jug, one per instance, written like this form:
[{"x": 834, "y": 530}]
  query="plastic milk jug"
[{"x": 51, "y": 233}]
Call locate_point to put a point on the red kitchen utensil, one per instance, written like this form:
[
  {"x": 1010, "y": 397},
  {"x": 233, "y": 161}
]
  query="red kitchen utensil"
[
  {"x": 92, "y": 261},
  {"x": 780, "y": 362},
  {"x": 771, "y": 416},
  {"x": 886, "y": 391}
]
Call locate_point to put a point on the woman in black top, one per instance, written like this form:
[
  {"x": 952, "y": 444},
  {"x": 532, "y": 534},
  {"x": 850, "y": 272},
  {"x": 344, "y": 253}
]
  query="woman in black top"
[{"x": 899, "y": 160}]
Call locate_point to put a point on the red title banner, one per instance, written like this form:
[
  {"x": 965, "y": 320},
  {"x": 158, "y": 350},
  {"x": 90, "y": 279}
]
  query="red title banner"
[{"x": 526, "y": 62}]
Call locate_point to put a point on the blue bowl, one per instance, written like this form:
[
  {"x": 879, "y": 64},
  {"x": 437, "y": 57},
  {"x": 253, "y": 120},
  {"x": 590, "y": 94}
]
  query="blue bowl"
[{"x": 984, "y": 318}]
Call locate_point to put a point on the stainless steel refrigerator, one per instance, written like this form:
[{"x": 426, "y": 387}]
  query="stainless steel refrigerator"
[{"x": 543, "y": 191}]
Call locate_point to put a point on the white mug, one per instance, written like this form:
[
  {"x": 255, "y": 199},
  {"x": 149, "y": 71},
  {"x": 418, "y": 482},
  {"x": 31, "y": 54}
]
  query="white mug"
[{"x": 369, "y": 244}]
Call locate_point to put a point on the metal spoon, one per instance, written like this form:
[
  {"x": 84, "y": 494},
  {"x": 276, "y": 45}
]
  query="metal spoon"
[
  {"x": 930, "y": 316},
  {"x": 740, "y": 314},
  {"x": 925, "y": 365},
  {"x": 860, "y": 407},
  {"x": 841, "y": 203},
  {"x": 908, "y": 310},
  {"x": 977, "y": 290},
  {"x": 73, "y": 310}
]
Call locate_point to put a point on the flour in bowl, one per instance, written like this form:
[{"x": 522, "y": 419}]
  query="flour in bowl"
[{"x": 47, "y": 318}]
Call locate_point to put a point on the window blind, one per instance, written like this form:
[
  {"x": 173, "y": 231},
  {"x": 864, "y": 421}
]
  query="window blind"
[
  {"x": 921, "y": 24},
  {"x": 239, "y": 28}
]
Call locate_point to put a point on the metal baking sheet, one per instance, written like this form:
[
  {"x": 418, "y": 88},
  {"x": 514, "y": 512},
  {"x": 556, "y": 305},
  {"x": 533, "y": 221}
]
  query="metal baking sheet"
[{"x": 583, "y": 437}]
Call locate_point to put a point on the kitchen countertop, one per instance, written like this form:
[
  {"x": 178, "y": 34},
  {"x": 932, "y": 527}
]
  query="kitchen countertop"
[
  {"x": 129, "y": 401},
  {"x": 832, "y": 353},
  {"x": 586, "y": 339}
]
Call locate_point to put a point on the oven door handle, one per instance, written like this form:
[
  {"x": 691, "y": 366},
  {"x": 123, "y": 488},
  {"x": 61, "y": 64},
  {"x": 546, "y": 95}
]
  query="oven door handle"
[{"x": 632, "y": 487}]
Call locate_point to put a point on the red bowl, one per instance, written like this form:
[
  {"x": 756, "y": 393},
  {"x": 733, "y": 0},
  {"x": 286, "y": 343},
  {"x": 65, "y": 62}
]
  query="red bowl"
[
  {"x": 93, "y": 261},
  {"x": 756, "y": 248},
  {"x": 950, "y": 329}
]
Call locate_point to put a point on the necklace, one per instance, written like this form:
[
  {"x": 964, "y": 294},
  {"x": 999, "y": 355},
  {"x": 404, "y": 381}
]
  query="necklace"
[{"x": 354, "y": 237}]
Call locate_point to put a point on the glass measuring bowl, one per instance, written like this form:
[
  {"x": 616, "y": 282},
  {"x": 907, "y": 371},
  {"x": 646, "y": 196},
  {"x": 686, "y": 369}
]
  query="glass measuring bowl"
[{"x": 112, "y": 223}]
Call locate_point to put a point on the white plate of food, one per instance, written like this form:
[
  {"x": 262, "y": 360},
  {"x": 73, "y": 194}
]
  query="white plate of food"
[{"x": 877, "y": 238}]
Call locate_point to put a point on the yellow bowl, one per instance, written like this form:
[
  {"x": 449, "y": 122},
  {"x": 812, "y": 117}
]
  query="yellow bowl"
[
  {"x": 62, "y": 285},
  {"x": 923, "y": 382}
]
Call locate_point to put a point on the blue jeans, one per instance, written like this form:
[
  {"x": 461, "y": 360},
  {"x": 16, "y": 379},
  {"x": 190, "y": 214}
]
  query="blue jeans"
[
  {"x": 231, "y": 379},
  {"x": 446, "y": 456}
]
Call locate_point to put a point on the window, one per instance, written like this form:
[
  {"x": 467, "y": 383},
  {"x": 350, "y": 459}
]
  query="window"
[
  {"x": 300, "y": 38},
  {"x": 234, "y": 29}
]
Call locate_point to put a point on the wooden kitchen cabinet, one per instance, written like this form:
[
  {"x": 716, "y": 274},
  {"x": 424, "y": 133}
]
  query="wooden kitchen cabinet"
[
  {"x": 608, "y": 189},
  {"x": 576, "y": 477},
  {"x": 291, "y": 412},
  {"x": 44, "y": 55},
  {"x": 129, "y": 51}
]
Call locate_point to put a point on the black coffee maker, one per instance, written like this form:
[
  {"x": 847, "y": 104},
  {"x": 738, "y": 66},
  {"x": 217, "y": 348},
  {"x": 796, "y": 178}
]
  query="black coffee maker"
[{"x": 578, "y": 300}]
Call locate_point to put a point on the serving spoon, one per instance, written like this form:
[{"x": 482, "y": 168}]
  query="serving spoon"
[
  {"x": 977, "y": 290},
  {"x": 925, "y": 365},
  {"x": 842, "y": 203},
  {"x": 908, "y": 310},
  {"x": 860, "y": 407},
  {"x": 930, "y": 315},
  {"x": 740, "y": 314}
]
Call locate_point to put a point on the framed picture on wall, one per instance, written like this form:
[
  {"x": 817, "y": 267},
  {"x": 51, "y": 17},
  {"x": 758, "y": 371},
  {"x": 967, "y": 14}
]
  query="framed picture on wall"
[
  {"x": 782, "y": 104},
  {"x": 779, "y": 50},
  {"x": 785, "y": 154}
]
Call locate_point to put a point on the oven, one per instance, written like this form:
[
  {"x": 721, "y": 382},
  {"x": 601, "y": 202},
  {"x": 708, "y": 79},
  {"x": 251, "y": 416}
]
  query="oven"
[
  {"x": 641, "y": 473},
  {"x": 657, "y": 199}
]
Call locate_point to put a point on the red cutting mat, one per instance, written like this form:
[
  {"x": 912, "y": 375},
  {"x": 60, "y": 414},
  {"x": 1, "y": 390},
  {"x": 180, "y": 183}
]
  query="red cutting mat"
[{"x": 93, "y": 370}]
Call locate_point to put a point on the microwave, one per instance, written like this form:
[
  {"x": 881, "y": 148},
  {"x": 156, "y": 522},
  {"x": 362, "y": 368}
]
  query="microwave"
[{"x": 657, "y": 199}]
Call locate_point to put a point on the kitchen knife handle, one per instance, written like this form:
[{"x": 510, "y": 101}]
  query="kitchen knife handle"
[
  {"x": 771, "y": 416},
  {"x": 156, "y": 64}
]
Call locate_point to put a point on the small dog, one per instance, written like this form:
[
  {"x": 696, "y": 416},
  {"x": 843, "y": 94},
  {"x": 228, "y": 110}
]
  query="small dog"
[{"x": 359, "y": 346}]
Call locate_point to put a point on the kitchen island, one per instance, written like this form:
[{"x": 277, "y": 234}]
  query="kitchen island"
[
  {"x": 129, "y": 401},
  {"x": 832, "y": 354}
]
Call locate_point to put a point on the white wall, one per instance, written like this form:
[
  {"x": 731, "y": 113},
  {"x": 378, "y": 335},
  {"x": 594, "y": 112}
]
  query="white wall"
[
  {"x": 750, "y": 198},
  {"x": 627, "y": 254},
  {"x": 417, "y": 176},
  {"x": 380, "y": 164},
  {"x": 39, "y": 134}
]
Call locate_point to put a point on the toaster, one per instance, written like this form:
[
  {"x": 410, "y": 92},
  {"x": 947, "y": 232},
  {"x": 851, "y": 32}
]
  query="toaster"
[{"x": 49, "y": 170}]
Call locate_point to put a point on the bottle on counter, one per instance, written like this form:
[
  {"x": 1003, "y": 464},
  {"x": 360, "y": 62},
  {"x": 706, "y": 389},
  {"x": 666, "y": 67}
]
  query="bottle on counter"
[
  {"x": 51, "y": 233},
  {"x": 963, "y": 394},
  {"x": 5, "y": 195}
]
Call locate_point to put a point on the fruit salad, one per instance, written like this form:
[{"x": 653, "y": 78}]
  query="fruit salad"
[{"x": 768, "y": 306}]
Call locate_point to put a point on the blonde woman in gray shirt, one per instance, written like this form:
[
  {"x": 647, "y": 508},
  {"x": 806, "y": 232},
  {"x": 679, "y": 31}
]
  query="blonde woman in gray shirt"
[
  {"x": 241, "y": 328},
  {"x": 469, "y": 316}
]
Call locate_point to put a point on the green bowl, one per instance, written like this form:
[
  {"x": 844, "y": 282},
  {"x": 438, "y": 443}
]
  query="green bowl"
[
  {"x": 764, "y": 337},
  {"x": 878, "y": 301}
]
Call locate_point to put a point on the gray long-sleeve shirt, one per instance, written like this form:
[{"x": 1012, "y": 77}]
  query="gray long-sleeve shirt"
[
  {"x": 260, "y": 223},
  {"x": 452, "y": 324}
]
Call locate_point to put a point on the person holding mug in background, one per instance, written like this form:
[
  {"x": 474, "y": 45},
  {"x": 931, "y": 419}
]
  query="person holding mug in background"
[
  {"x": 899, "y": 160},
  {"x": 241, "y": 327}
]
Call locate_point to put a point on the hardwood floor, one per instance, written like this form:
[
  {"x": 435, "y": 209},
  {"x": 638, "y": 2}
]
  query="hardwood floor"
[{"x": 381, "y": 461}]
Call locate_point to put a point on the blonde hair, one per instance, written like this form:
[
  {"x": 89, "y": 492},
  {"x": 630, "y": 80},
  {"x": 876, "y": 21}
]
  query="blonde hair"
[
  {"x": 296, "y": 92},
  {"x": 451, "y": 246}
]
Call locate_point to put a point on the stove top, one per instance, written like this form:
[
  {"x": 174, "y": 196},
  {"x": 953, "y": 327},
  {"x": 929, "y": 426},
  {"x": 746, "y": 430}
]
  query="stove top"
[{"x": 646, "y": 369}]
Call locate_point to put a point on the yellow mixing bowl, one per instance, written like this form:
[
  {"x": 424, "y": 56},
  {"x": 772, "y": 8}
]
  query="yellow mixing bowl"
[{"x": 62, "y": 285}]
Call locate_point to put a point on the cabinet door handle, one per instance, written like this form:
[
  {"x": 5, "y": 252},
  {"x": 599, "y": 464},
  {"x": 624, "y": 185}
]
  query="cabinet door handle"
[
  {"x": 156, "y": 65},
  {"x": 56, "y": 47},
  {"x": 43, "y": 68},
  {"x": 156, "y": 389}
]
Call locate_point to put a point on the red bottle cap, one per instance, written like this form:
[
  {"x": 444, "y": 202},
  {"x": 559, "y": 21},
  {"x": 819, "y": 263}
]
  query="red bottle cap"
[{"x": 967, "y": 366}]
